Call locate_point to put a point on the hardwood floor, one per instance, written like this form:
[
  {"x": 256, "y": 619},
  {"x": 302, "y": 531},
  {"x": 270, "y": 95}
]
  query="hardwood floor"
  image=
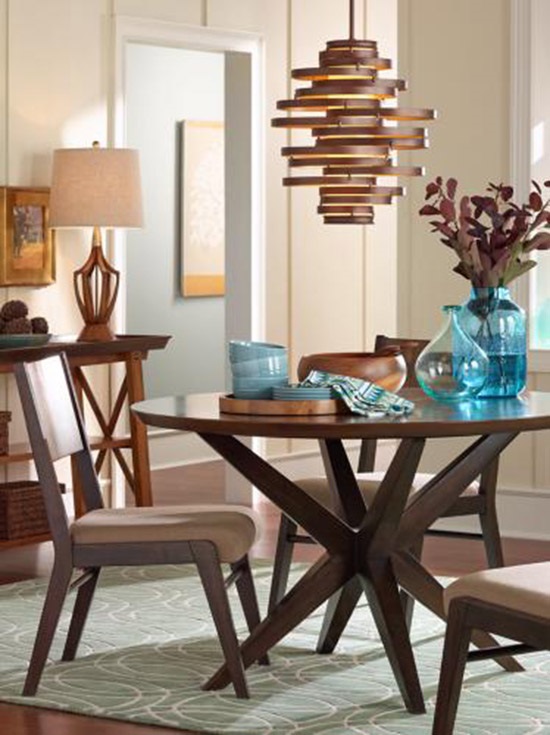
[{"x": 205, "y": 483}]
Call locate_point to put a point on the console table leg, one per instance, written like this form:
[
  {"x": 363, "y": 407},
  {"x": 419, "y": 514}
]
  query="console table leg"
[{"x": 138, "y": 430}]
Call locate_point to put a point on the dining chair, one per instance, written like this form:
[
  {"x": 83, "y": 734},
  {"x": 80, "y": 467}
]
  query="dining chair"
[
  {"x": 513, "y": 602},
  {"x": 478, "y": 499},
  {"x": 200, "y": 534}
]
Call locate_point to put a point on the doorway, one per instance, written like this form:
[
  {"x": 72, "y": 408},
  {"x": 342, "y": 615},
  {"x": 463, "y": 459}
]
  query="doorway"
[{"x": 166, "y": 73}]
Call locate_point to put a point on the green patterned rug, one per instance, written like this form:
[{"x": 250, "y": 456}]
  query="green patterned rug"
[{"x": 149, "y": 643}]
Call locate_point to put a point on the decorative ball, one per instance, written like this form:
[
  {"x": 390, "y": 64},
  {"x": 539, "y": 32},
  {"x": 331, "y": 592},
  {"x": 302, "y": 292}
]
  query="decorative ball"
[
  {"x": 39, "y": 325},
  {"x": 14, "y": 309},
  {"x": 21, "y": 325}
]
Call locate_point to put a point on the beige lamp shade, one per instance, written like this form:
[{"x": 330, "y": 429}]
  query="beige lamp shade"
[{"x": 96, "y": 187}]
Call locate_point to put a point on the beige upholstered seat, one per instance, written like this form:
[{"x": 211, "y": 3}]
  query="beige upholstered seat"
[
  {"x": 524, "y": 588},
  {"x": 369, "y": 482},
  {"x": 231, "y": 529},
  {"x": 512, "y": 602}
]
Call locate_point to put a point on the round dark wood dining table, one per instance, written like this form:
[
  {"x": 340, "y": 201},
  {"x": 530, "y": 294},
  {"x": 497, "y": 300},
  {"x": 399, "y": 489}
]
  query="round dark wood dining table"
[{"x": 366, "y": 550}]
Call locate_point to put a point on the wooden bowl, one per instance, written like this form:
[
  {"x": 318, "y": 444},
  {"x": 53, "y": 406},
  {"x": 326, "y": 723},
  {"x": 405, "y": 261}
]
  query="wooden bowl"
[{"x": 386, "y": 368}]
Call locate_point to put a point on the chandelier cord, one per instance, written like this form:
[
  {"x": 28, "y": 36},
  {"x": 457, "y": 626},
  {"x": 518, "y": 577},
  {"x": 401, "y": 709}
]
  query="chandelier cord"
[{"x": 351, "y": 19}]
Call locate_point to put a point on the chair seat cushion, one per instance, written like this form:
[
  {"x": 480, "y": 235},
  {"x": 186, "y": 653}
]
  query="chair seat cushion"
[
  {"x": 368, "y": 482},
  {"x": 420, "y": 479},
  {"x": 232, "y": 528},
  {"x": 524, "y": 588}
]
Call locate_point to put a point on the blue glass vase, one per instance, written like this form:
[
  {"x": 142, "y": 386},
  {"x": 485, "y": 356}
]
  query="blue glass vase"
[
  {"x": 452, "y": 367},
  {"x": 497, "y": 325}
]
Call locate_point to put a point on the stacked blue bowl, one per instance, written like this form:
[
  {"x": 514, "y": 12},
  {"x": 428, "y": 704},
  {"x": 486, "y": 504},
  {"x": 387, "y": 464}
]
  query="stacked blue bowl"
[{"x": 257, "y": 368}]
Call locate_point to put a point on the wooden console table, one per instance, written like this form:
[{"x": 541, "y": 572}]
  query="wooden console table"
[{"x": 128, "y": 349}]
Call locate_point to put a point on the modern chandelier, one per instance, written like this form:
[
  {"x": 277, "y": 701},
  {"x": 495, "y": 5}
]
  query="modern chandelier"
[{"x": 358, "y": 134}]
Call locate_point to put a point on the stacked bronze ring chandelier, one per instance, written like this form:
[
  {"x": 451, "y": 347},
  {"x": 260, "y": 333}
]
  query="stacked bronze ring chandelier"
[{"x": 358, "y": 134}]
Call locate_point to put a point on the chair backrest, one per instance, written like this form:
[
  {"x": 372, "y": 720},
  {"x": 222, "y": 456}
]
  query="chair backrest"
[
  {"x": 410, "y": 348},
  {"x": 56, "y": 430}
]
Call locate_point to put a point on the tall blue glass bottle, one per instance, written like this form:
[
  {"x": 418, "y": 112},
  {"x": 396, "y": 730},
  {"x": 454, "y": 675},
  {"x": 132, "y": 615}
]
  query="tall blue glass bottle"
[{"x": 497, "y": 324}]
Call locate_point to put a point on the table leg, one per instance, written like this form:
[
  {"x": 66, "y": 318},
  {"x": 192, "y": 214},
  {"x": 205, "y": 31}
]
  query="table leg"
[
  {"x": 378, "y": 525},
  {"x": 351, "y": 506},
  {"x": 386, "y": 607},
  {"x": 138, "y": 431},
  {"x": 339, "y": 610},
  {"x": 319, "y": 582}
]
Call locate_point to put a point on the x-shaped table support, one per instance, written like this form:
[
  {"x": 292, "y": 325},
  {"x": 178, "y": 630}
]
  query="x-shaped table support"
[{"x": 366, "y": 550}]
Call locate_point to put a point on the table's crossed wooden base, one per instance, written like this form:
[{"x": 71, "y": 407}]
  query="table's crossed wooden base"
[{"x": 367, "y": 551}]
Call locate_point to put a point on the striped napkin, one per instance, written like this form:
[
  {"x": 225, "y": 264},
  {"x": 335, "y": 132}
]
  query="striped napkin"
[{"x": 361, "y": 396}]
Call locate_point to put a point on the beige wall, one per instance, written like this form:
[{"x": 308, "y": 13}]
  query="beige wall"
[
  {"x": 456, "y": 57},
  {"x": 328, "y": 288},
  {"x": 58, "y": 79}
]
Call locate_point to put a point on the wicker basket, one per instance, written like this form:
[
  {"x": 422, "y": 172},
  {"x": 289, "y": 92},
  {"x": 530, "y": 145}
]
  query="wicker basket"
[
  {"x": 5, "y": 416},
  {"x": 22, "y": 511}
]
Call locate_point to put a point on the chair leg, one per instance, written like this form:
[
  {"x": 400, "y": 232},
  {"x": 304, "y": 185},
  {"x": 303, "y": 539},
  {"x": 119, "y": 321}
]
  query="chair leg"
[
  {"x": 51, "y": 612},
  {"x": 208, "y": 565},
  {"x": 247, "y": 595},
  {"x": 455, "y": 654},
  {"x": 488, "y": 517},
  {"x": 283, "y": 560},
  {"x": 491, "y": 536},
  {"x": 80, "y": 614},
  {"x": 406, "y": 600}
]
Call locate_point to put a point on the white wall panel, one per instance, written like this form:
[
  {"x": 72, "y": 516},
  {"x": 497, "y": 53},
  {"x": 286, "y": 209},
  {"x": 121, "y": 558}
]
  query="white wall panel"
[
  {"x": 380, "y": 265},
  {"x": 468, "y": 83},
  {"x": 180, "y": 11},
  {"x": 244, "y": 15},
  {"x": 542, "y": 445},
  {"x": 3, "y": 89},
  {"x": 275, "y": 30},
  {"x": 57, "y": 90},
  {"x": 55, "y": 101},
  {"x": 327, "y": 307},
  {"x": 58, "y": 81}
]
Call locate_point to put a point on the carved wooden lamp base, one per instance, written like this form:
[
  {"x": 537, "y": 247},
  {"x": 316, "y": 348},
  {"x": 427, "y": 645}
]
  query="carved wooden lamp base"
[{"x": 96, "y": 288}]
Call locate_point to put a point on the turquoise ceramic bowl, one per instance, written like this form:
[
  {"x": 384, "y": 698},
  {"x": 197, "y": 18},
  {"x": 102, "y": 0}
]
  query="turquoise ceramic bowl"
[
  {"x": 264, "y": 367},
  {"x": 242, "y": 350}
]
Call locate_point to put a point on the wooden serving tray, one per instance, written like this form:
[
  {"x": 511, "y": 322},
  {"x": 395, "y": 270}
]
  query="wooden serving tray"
[{"x": 269, "y": 407}]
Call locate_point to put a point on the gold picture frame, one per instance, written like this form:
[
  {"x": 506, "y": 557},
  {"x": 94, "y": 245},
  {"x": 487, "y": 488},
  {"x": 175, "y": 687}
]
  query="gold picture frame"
[{"x": 27, "y": 244}]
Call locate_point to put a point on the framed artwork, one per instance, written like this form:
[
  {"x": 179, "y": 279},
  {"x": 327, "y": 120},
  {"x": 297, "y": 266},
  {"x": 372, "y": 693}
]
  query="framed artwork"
[
  {"x": 202, "y": 221},
  {"x": 27, "y": 247}
]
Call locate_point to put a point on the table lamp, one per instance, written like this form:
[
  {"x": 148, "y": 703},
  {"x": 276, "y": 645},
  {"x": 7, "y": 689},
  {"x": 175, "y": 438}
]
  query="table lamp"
[{"x": 96, "y": 187}]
